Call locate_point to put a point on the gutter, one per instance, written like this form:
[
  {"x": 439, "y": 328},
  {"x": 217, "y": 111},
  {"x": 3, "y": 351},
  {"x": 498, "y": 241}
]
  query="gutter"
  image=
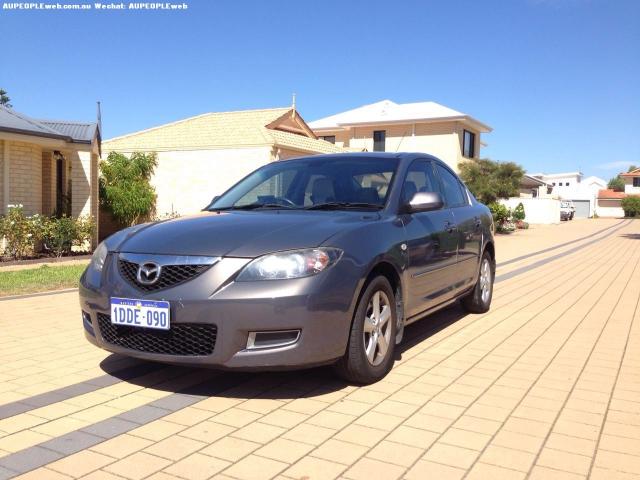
[{"x": 43, "y": 135}]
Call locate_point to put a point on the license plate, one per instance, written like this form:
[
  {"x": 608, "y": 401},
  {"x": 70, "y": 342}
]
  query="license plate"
[{"x": 140, "y": 313}]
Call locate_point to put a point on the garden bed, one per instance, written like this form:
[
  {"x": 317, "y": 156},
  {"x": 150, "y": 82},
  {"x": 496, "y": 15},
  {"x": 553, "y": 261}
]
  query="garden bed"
[{"x": 10, "y": 262}]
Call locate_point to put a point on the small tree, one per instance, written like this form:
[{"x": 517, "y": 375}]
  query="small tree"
[
  {"x": 631, "y": 206},
  {"x": 4, "y": 99},
  {"x": 125, "y": 187},
  {"x": 518, "y": 212},
  {"x": 616, "y": 184},
  {"x": 489, "y": 180}
]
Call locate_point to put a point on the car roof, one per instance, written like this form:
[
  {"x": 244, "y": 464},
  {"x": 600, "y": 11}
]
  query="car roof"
[{"x": 387, "y": 155}]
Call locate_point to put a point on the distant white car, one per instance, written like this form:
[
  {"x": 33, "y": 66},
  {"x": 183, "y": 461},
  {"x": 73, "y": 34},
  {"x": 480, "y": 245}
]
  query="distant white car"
[{"x": 567, "y": 210}]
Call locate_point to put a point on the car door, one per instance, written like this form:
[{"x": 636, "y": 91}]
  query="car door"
[
  {"x": 431, "y": 244},
  {"x": 468, "y": 226}
]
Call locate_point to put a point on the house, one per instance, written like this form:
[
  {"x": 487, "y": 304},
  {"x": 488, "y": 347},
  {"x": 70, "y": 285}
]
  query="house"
[
  {"x": 532, "y": 187},
  {"x": 202, "y": 156},
  {"x": 48, "y": 166},
  {"x": 631, "y": 182},
  {"x": 610, "y": 201},
  {"x": 574, "y": 186},
  {"x": 387, "y": 126}
]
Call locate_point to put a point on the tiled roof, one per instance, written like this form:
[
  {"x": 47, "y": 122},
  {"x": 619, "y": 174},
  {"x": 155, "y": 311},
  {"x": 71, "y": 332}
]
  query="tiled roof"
[
  {"x": 15, "y": 122},
  {"x": 632, "y": 173},
  {"x": 387, "y": 111},
  {"x": 218, "y": 130},
  {"x": 607, "y": 194},
  {"x": 299, "y": 142}
]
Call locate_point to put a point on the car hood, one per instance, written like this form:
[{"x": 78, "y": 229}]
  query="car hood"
[{"x": 241, "y": 234}]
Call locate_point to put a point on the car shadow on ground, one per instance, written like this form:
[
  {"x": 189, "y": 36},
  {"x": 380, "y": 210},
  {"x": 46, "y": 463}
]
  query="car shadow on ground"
[
  {"x": 292, "y": 384},
  {"x": 632, "y": 236}
]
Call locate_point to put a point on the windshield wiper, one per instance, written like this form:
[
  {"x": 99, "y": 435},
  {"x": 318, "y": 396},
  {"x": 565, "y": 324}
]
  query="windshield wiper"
[
  {"x": 252, "y": 206},
  {"x": 340, "y": 205}
]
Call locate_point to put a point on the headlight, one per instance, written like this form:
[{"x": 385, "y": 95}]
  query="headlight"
[
  {"x": 98, "y": 257},
  {"x": 293, "y": 264},
  {"x": 93, "y": 275}
]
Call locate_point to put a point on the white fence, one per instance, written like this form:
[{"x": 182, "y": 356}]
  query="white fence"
[{"x": 537, "y": 210}]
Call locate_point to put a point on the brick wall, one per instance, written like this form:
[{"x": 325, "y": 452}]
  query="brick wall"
[{"x": 26, "y": 176}]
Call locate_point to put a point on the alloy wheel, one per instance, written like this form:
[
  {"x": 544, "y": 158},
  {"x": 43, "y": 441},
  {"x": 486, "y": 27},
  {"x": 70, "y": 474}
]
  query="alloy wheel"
[
  {"x": 485, "y": 281},
  {"x": 376, "y": 333}
]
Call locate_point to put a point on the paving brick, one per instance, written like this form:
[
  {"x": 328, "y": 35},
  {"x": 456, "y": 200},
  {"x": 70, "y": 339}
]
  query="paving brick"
[
  {"x": 424, "y": 469},
  {"x": 396, "y": 453},
  {"x": 197, "y": 467},
  {"x": 81, "y": 463},
  {"x": 316, "y": 468},
  {"x": 175, "y": 447},
  {"x": 231, "y": 448},
  {"x": 339, "y": 451},
  {"x": 137, "y": 466},
  {"x": 508, "y": 458},
  {"x": 255, "y": 468},
  {"x": 284, "y": 450}
]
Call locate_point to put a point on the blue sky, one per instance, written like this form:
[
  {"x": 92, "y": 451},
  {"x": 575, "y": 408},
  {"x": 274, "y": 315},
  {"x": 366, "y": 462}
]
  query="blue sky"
[{"x": 558, "y": 80}]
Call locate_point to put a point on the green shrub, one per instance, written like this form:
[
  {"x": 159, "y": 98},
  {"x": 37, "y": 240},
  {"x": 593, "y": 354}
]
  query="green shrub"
[
  {"x": 125, "y": 188},
  {"x": 59, "y": 235},
  {"x": 518, "y": 212},
  {"x": 25, "y": 235},
  {"x": 19, "y": 232},
  {"x": 631, "y": 206},
  {"x": 500, "y": 213}
]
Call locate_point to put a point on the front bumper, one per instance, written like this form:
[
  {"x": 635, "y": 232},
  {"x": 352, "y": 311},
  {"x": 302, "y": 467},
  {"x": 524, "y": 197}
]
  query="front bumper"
[{"x": 320, "y": 307}]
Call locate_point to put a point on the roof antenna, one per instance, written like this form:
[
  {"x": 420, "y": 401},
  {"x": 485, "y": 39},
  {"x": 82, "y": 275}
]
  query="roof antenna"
[
  {"x": 99, "y": 116},
  {"x": 293, "y": 104}
]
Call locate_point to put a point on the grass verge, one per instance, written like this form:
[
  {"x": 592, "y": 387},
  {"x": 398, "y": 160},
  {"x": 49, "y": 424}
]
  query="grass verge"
[{"x": 41, "y": 279}]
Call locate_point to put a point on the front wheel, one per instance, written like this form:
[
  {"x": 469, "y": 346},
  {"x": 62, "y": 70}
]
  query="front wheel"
[
  {"x": 478, "y": 300},
  {"x": 370, "y": 351}
]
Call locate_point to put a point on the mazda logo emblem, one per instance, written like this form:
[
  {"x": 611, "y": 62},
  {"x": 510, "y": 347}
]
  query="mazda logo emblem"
[{"x": 148, "y": 273}]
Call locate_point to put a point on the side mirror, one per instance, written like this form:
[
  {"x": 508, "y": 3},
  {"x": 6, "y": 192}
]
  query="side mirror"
[{"x": 424, "y": 202}]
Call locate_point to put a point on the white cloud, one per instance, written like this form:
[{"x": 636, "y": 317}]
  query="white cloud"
[{"x": 621, "y": 165}]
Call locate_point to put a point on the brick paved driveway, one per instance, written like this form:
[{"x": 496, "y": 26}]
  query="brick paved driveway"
[{"x": 545, "y": 385}]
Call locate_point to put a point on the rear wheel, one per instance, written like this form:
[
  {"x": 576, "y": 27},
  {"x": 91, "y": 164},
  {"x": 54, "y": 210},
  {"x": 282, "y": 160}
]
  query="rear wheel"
[
  {"x": 478, "y": 300},
  {"x": 370, "y": 351}
]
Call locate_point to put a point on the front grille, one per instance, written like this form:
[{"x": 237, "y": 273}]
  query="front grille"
[
  {"x": 187, "y": 339},
  {"x": 170, "y": 275}
]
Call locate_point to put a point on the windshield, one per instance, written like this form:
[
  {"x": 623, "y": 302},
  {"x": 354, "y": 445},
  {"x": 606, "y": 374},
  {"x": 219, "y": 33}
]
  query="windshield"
[{"x": 332, "y": 183}]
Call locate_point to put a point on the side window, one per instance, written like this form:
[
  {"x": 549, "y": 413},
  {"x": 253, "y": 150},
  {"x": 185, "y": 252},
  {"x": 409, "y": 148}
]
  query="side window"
[
  {"x": 451, "y": 188},
  {"x": 420, "y": 178}
]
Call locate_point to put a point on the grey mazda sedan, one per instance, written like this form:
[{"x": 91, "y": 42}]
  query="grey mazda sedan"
[{"x": 303, "y": 262}]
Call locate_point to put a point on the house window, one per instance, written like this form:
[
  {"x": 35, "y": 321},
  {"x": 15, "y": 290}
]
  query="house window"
[
  {"x": 566, "y": 184},
  {"x": 636, "y": 181},
  {"x": 554, "y": 184},
  {"x": 329, "y": 138},
  {"x": 378, "y": 140},
  {"x": 468, "y": 144}
]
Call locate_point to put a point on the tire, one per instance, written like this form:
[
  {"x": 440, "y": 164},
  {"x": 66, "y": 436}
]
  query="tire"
[
  {"x": 365, "y": 360},
  {"x": 478, "y": 300}
]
